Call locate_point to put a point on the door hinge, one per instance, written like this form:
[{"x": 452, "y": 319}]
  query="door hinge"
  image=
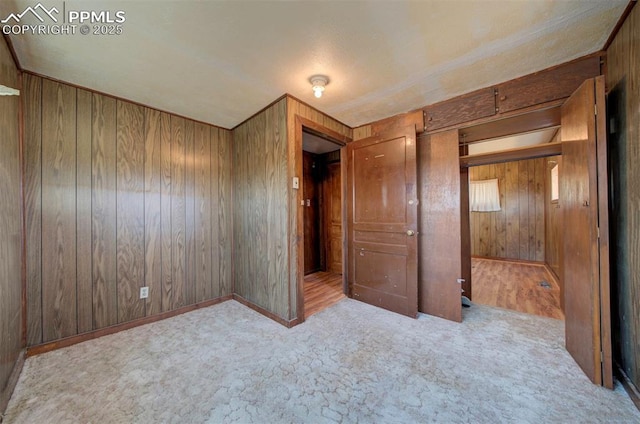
[
  {"x": 598, "y": 229},
  {"x": 595, "y": 109},
  {"x": 601, "y": 357}
]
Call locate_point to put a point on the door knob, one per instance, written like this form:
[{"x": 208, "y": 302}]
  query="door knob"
[{"x": 411, "y": 233}]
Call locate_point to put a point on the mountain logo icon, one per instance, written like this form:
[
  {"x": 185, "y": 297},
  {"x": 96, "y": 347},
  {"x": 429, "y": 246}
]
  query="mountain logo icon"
[{"x": 34, "y": 11}]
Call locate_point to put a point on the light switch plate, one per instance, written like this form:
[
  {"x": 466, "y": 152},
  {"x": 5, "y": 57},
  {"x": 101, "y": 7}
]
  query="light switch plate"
[{"x": 296, "y": 182}]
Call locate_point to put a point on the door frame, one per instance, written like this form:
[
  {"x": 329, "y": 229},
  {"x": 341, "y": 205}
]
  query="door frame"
[{"x": 300, "y": 125}]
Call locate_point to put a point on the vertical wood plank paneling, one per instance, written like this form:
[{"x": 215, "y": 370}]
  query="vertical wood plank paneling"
[
  {"x": 11, "y": 306},
  {"x": 178, "y": 213},
  {"x": 517, "y": 231},
  {"x": 261, "y": 210},
  {"x": 523, "y": 209},
  {"x": 59, "y": 216},
  {"x": 220, "y": 235},
  {"x": 512, "y": 210},
  {"x": 540, "y": 170},
  {"x": 152, "y": 224},
  {"x": 166, "y": 210},
  {"x": 501, "y": 216},
  {"x": 276, "y": 244},
  {"x": 105, "y": 305},
  {"x": 143, "y": 191},
  {"x": 130, "y": 210},
  {"x": 225, "y": 219},
  {"x": 83, "y": 211},
  {"x": 33, "y": 204},
  {"x": 202, "y": 219},
  {"x": 190, "y": 210},
  {"x": 623, "y": 109}
]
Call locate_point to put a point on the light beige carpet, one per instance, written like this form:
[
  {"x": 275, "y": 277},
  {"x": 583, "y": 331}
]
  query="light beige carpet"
[{"x": 351, "y": 363}]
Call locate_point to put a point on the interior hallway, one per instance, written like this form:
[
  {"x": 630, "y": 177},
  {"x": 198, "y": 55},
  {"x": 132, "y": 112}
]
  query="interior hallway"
[
  {"x": 516, "y": 286},
  {"x": 321, "y": 290}
]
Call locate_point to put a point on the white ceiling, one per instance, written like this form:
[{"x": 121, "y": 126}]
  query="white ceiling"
[
  {"x": 222, "y": 61},
  {"x": 513, "y": 141}
]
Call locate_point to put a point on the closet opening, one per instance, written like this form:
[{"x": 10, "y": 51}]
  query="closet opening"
[{"x": 514, "y": 222}]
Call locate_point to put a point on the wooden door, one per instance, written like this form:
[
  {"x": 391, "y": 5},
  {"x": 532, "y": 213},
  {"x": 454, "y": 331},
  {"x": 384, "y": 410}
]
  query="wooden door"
[
  {"x": 382, "y": 221},
  {"x": 583, "y": 196},
  {"x": 332, "y": 195},
  {"x": 440, "y": 212},
  {"x": 310, "y": 189}
]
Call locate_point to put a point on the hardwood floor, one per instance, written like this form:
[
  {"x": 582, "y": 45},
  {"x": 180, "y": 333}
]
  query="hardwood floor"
[
  {"x": 516, "y": 286},
  {"x": 321, "y": 290}
]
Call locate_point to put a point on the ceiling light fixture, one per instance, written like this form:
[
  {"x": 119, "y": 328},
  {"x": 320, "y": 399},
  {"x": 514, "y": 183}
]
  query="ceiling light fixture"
[{"x": 317, "y": 84}]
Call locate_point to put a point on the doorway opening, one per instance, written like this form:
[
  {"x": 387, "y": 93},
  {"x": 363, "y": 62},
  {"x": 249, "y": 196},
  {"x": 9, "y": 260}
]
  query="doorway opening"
[
  {"x": 515, "y": 235},
  {"x": 322, "y": 218}
]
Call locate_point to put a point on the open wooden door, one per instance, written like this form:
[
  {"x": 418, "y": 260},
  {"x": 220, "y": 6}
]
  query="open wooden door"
[
  {"x": 440, "y": 238},
  {"x": 583, "y": 196},
  {"x": 382, "y": 220}
]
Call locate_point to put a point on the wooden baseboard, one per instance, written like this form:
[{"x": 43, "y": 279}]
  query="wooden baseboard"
[
  {"x": 516, "y": 261},
  {"x": 270, "y": 315},
  {"x": 628, "y": 385},
  {"x": 553, "y": 274},
  {"x": 5, "y": 394},
  {"x": 70, "y": 341}
]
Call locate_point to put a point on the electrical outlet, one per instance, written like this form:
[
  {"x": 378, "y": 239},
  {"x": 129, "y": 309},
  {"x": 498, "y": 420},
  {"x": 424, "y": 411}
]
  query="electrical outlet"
[{"x": 144, "y": 292}]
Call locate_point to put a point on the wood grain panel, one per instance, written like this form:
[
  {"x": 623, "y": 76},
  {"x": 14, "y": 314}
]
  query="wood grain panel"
[
  {"x": 139, "y": 187},
  {"x": 260, "y": 208},
  {"x": 59, "y": 306},
  {"x": 11, "y": 299},
  {"x": 332, "y": 217},
  {"x": 544, "y": 86},
  {"x": 223, "y": 161},
  {"x": 178, "y": 213},
  {"x": 623, "y": 108},
  {"x": 130, "y": 258},
  {"x": 33, "y": 204},
  {"x": 103, "y": 139},
  {"x": 156, "y": 128},
  {"x": 190, "y": 235},
  {"x": 84, "y": 268},
  {"x": 166, "y": 243},
  {"x": 517, "y": 230},
  {"x": 277, "y": 208},
  {"x": 203, "y": 284},
  {"x": 468, "y": 107},
  {"x": 440, "y": 225}
]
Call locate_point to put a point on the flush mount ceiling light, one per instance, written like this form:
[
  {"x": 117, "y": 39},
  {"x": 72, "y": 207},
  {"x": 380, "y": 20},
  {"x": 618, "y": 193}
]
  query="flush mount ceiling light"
[{"x": 317, "y": 84}]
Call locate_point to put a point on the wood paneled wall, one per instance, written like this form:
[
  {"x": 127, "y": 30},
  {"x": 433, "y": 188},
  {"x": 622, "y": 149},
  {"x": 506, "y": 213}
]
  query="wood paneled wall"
[
  {"x": 517, "y": 231},
  {"x": 260, "y": 210},
  {"x": 623, "y": 104},
  {"x": 119, "y": 196},
  {"x": 553, "y": 222},
  {"x": 267, "y": 209},
  {"x": 10, "y": 229}
]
